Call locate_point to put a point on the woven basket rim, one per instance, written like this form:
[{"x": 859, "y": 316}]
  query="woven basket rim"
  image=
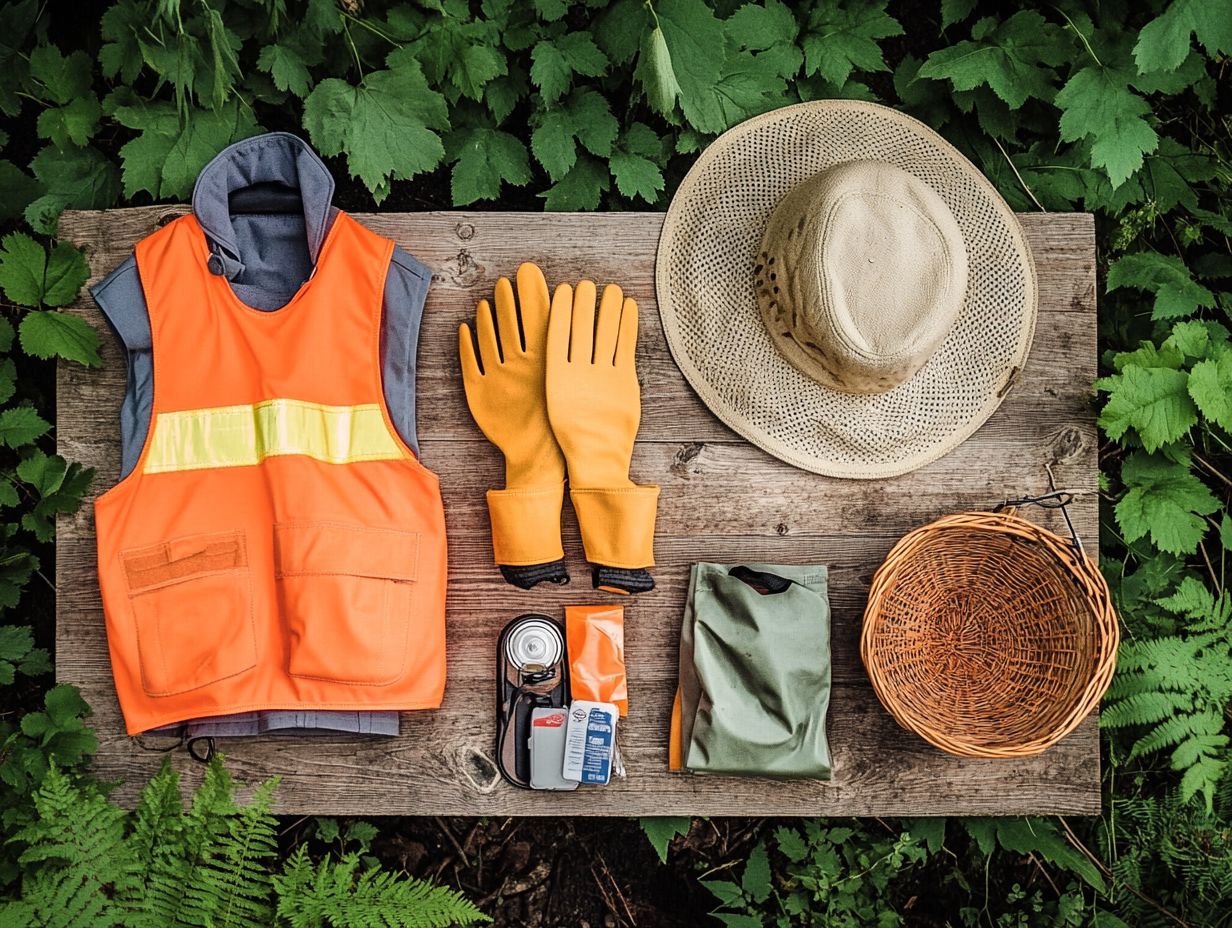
[{"x": 1068, "y": 560}]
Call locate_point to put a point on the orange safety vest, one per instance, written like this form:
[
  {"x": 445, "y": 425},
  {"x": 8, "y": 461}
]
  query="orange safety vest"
[{"x": 277, "y": 546}]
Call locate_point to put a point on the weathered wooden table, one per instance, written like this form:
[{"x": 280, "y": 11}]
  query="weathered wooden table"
[{"x": 722, "y": 500}]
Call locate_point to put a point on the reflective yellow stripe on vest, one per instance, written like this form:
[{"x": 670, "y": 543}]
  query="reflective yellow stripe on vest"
[{"x": 240, "y": 436}]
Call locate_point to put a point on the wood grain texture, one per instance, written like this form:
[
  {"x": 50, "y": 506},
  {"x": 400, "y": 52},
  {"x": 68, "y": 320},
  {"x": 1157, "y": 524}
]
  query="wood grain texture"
[{"x": 722, "y": 499}]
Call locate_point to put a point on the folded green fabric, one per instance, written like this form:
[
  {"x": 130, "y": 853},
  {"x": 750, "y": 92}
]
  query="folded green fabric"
[{"x": 755, "y": 671}]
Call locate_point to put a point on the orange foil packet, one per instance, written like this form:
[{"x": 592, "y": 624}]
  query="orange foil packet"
[{"x": 596, "y": 641}]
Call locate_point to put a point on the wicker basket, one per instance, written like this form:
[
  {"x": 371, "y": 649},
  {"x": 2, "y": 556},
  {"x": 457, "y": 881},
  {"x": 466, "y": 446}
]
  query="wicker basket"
[{"x": 989, "y": 636}]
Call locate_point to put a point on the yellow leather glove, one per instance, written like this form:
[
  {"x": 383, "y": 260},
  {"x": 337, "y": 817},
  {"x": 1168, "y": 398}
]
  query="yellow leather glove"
[
  {"x": 505, "y": 393},
  {"x": 594, "y": 405}
]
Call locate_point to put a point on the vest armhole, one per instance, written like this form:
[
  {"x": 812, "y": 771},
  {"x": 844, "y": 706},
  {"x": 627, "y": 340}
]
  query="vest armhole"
[
  {"x": 405, "y": 291},
  {"x": 122, "y": 301}
]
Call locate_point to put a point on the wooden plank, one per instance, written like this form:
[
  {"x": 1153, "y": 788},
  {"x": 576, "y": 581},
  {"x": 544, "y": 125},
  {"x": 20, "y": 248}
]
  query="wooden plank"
[{"x": 723, "y": 499}]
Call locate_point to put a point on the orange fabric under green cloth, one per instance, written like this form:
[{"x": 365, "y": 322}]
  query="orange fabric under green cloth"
[{"x": 278, "y": 545}]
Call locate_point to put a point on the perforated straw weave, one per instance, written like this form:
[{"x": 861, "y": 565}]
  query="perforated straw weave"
[
  {"x": 705, "y": 289},
  {"x": 989, "y": 636}
]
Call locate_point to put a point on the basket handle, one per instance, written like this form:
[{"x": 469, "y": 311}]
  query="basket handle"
[{"x": 1056, "y": 499}]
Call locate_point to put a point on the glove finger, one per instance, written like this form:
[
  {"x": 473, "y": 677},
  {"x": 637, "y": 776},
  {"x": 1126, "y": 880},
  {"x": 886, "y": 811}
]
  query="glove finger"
[
  {"x": 489, "y": 344},
  {"x": 508, "y": 330},
  {"x": 467, "y": 359},
  {"x": 532, "y": 305},
  {"x": 559, "y": 321},
  {"x": 627, "y": 344},
  {"x": 608, "y": 328},
  {"x": 582, "y": 335}
]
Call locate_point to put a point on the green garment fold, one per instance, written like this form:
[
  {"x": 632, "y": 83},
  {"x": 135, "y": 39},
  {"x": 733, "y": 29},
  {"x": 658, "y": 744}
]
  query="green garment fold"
[{"x": 755, "y": 671}]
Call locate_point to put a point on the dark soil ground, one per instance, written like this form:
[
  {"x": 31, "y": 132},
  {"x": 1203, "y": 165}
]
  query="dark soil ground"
[{"x": 567, "y": 872}]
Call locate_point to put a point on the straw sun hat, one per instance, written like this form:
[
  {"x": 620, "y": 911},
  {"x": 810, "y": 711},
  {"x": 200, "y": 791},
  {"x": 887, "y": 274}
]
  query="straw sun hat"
[{"x": 844, "y": 289}]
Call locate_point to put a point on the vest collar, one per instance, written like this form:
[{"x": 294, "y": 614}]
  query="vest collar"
[{"x": 272, "y": 158}]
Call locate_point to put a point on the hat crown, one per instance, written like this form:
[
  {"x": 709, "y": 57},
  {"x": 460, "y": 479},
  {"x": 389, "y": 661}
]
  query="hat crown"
[{"x": 861, "y": 275}]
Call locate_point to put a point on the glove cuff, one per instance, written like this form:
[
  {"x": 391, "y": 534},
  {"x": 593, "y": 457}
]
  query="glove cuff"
[
  {"x": 617, "y": 525},
  {"x": 526, "y": 525},
  {"x": 621, "y": 580},
  {"x": 529, "y": 576}
]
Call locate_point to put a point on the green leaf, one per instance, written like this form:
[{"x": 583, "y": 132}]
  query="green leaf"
[
  {"x": 755, "y": 881},
  {"x": 65, "y": 83},
  {"x": 555, "y": 61},
  {"x": 621, "y": 28},
  {"x": 1165, "y": 501},
  {"x": 73, "y": 178},
  {"x": 584, "y": 117},
  {"x": 1194, "y": 338},
  {"x": 760, "y": 27},
  {"x": 49, "y": 334},
  {"x": 63, "y": 79},
  {"x": 16, "y": 641},
  {"x": 633, "y": 166},
  {"x": 75, "y": 123},
  {"x": 45, "y": 472},
  {"x": 580, "y": 188},
  {"x": 739, "y": 920},
  {"x": 67, "y": 272},
  {"x": 64, "y": 704},
  {"x": 931, "y": 831},
  {"x": 385, "y": 126},
  {"x": 1153, "y": 400},
  {"x": 1176, "y": 292},
  {"x": 8, "y": 386},
  {"x": 1097, "y": 104},
  {"x": 502, "y": 94},
  {"x": 172, "y": 147},
  {"x": 791, "y": 844},
  {"x": 485, "y": 158},
  {"x": 682, "y": 58},
  {"x": 728, "y": 893},
  {"x": 17, "y": 19},
  {"x": 30, "y": 278},
  {"x": 475, "y": 67},
  {"x": 1041, "y": 837},
  {"x": 842, "y": 37},
  {"x": 327, "y": 829},
  {"x": 121, "y": 54},
  {"x": 660, "y": 830},
  {"x": 1164, "y": 42},
  {"x": 1014, "y": 58},
  {"x": 21, "y": 425},
  {"x": 1210, "y": 385},
  {"x": 287, "y": 68},
  {"x": 551, "y": 10},
  {"x": 23, "y": 269},
  {"x": 955, "y": 11},
  {"x": 17, "y": 189},
  {"x": 1170, "y": 174}
]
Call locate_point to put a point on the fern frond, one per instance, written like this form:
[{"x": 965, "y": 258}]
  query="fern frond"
[
  {"x": 332, "y": 894},
  {"x": 1167, "y": 734},
  {"x": 75, "y": 857},
  {"x": 236, "y": 879},
  {"x": 1143, "y": 708}
]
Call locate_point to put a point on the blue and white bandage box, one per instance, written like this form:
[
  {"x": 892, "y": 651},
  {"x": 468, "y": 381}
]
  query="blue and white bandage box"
[{"x": 589, "y": 742}]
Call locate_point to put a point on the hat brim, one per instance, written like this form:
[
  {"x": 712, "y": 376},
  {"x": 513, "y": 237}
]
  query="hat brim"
[{"x": 704, "y": 284}]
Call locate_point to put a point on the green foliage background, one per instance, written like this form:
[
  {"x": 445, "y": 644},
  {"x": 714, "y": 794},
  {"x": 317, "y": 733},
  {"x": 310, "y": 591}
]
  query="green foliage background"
[{"x": 1118, "y": 108}]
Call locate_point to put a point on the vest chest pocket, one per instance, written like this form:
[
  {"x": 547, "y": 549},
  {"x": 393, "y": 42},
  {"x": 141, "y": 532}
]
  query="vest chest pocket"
[
  {"x": 192, "y": 604},
  {"x": 346, "y": 592}
]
